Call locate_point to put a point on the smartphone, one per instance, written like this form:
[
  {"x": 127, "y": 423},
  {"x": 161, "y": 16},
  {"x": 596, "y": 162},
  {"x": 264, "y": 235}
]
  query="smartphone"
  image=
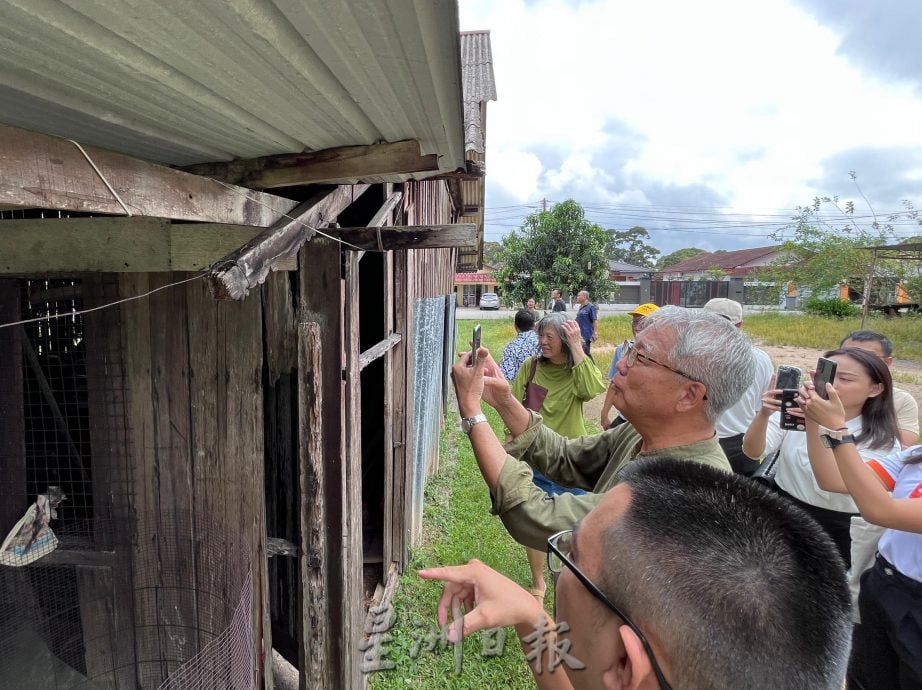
[
  {"x": 788, "y": 377},
  {"x": 788, "y": 421},
  {"x": 475, "y": 345},
  {"x": 825, "y": 373}
]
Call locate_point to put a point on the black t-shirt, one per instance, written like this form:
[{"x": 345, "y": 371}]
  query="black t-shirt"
[{"x": 559, "y": 305}]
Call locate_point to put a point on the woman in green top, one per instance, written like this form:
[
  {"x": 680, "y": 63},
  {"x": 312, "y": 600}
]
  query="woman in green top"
[{"x": 571, "y": 378}]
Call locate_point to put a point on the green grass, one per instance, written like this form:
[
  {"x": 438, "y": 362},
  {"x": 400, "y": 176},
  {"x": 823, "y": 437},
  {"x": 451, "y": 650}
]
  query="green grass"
[
  {"x": 769, "y": 328},
  {"x": 778, "y": 328},
  {"x": 457, "y": 526}
]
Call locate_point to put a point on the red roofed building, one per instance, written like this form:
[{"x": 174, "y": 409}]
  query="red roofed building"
[{"x": 739, "y": 263}]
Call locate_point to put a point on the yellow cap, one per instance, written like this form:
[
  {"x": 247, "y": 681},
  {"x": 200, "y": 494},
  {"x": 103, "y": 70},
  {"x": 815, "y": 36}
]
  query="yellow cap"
[{"x": 644, "y": 309}]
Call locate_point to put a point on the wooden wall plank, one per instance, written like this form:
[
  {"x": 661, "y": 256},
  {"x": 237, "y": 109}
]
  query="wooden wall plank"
[
  {"x": 319, "y": 275},
  {"x": 208, "y": 415},
  {"x": 391, "y": 554},
  {"x": 145, "y": 485},
  {"x": 106, "y": 386},
  {"x": 97, "y": 616},
  {"x": 282, "y": 336},
  {"x": 169, "y": 349},
  {"x": 245, "y": 459}
]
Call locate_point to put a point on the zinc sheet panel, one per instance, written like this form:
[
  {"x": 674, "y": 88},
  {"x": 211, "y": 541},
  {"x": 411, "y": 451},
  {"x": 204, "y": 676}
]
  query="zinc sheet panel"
[{"x": 182, "y": 82}]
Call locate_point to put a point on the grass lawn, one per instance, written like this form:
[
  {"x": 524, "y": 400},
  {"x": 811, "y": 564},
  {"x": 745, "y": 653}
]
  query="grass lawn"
[
  {"x": 457, "y": 526},
  {"x": 770, "y": 328}
]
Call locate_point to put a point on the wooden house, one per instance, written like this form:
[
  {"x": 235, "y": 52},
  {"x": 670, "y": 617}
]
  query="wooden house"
[{"x": 228, "y": 233}]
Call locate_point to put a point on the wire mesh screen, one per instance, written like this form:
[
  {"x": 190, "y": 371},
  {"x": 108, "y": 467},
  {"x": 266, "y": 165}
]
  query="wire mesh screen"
[
  {"x": 55, "y": 406},
  {"x": 92, "y": 593},
  {"x": 131, "y": 622}
]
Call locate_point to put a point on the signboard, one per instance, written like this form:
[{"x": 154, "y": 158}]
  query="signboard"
[{"x": 474, "y": 278}]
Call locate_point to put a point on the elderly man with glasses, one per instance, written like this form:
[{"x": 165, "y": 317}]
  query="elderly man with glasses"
[
  {"x": 685, "y": 368},
  {"x": 683, "y": 576}
]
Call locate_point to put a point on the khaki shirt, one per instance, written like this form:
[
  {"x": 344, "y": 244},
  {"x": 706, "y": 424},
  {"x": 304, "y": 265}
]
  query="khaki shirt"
[{"x": 592, "y": 463}]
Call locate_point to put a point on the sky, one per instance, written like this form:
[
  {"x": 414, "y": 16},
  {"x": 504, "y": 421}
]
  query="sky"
[{"x": 705, "y": 122}]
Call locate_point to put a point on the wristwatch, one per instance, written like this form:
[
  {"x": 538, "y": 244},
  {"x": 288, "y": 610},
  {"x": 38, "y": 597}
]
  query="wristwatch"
[
  {"x": 832, "y": 438},
  {"x": 468, "y": 423}
]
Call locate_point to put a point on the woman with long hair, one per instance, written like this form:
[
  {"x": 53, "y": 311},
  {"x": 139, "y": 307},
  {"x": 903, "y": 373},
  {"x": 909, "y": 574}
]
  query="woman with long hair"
[
  {"x": 570, "y": 378},
  {"x": 866, "y": 391},
  {"x": 887, "y": 645}
]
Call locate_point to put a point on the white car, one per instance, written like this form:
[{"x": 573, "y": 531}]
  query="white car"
[{"x": 489, "y": 300}]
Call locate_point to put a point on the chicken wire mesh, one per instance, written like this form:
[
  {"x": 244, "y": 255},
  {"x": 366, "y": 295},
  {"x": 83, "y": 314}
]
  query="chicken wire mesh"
[
  {"x": 164, "y": 611},
  {"x": 93, "y": 594}
]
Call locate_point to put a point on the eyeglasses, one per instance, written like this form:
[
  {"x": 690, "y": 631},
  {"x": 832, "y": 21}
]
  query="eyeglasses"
[
  {"x": 558, "y": 551},
  {"x": 631, "y": 354}
]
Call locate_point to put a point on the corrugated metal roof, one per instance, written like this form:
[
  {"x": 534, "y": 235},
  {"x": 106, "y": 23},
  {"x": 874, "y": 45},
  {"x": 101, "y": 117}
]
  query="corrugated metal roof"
[
  {"x": 722, "y": 260},
  {"x": 478, "y": 84},
  {"x": 182, "y": 82}
]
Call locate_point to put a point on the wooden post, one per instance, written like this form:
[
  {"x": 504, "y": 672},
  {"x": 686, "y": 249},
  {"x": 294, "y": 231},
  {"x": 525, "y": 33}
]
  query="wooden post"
[
  {"x": 389, "y": 551},
  {"x": 319, "y": 280},
  {"x": 354, "y": 600},
  {"x": 315, "y": 645}
]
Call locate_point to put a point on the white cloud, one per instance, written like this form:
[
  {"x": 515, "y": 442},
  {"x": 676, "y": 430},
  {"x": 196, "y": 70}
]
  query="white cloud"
[{"x": 747, "y": 99}]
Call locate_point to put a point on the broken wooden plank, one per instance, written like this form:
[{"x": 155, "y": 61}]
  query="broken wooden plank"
[
  {"x": 341, "y": 164},
  {"x": 41, "y": 171},
  {"x": 378, "y": 350},
  {"x": 248, "y": 266},
  {"x": 396, "y": 237}
]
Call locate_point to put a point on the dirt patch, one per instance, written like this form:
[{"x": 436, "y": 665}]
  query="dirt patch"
[{"x": 906, "y": 374}]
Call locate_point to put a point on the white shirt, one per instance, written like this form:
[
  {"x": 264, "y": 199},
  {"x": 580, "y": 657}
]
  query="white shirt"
[
  {"x": 907, "y": 410},
  {"x": 795, "y": 475},
  {"x": 902, "y": 549},
  {"x": 735, "y": 420}
]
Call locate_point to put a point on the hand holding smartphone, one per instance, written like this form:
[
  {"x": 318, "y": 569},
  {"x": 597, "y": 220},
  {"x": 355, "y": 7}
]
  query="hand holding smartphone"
[
  {"x": 475, "y": 346},
  {"x": 788, "y": 379},
  {"x": 825, "y": 373}
]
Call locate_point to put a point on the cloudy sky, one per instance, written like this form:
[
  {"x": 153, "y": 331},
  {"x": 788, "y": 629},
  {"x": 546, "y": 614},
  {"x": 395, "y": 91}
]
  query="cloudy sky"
[{"x": 706, "y": 122}]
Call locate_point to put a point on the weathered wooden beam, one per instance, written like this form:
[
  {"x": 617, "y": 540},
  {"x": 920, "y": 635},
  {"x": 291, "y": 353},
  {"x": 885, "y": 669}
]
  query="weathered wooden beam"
[
  {"x": 41, "y": 171},
  {"x": 342, "y": 164},
  {"x": 408, "y": 236},
  {"x": 378, "y": 350},
  {"x": 118, "y": 245},
  {"x": 248, "y": 266}
]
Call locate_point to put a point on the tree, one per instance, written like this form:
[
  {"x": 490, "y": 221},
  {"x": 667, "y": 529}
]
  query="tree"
[
  {"x": 824, "y": 251},
  {"x": 678, "y": 257},
  {"x": 491, "y": 252},
  {"x": 630, "y": 247},
  {"x": 558, "y": 248}
]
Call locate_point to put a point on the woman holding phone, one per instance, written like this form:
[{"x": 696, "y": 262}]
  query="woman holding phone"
[
  {"x": 865, "y": 389},
  {"x": 887, "y": 646},
  {"x": 569, "y": 378}
]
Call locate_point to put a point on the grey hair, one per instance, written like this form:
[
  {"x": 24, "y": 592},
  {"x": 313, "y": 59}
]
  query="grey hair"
[
  {"x": 555, "y": 322},
  {"x": 584, "y": 292},
  {"x": 711, "y": 350}
]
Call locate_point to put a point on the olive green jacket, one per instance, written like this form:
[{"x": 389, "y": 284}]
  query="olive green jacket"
[{"x": 592, "y": 463}]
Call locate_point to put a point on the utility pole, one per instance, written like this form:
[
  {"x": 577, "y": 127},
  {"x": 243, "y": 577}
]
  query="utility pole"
[{"x": 544, "y": 206}]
